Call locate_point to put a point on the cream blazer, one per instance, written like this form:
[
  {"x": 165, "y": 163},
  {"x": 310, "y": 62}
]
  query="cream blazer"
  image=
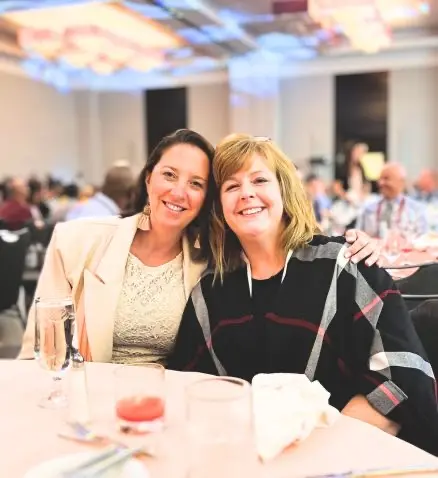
[{"x": 86, "y": 259}]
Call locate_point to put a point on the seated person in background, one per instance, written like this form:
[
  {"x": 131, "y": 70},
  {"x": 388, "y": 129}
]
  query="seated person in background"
[
  {"x": 37, "y": 199},
  {"x": 316, "y": 192},
  {"x": 392, "y": 209},
  {"x": 284, "y": 299},
  {"x": 426, "y": 192},
  {"x": 350, "y": 173},
  {"x": 4, "y": 187},
  {"x": 86, "y": 192},
  {"x": 112, "y": 200},
  {"x": 15, "y": 211},
  {"x": 343, "y": 212},
  {"x": 66, "y": 198},
  {"x": 426, "y": 186}
]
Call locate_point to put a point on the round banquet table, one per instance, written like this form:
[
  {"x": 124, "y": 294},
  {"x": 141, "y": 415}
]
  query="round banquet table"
[
  {"x": 415, "y": 258},
  {"x": 29, "y": 433}
]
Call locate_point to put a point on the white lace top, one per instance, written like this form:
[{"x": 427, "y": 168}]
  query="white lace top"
[{"x": 149, "y": 311}]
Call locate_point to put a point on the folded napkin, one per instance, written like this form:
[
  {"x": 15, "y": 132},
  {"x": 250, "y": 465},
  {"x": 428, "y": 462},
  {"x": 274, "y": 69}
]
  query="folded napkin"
[{"x": 287, "y": 407}]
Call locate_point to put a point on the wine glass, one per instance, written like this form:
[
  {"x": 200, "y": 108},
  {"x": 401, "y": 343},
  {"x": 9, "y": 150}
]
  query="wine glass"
[
  {"x": 409, "y": 238},
  {"x": 54, "y": 329},
  {"x": 392, "y": 246}
]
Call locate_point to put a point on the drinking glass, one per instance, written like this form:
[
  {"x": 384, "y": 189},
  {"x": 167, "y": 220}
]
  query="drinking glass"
[
  {"x": 54, "y": 329},
  {"x": 220, "y": 429},
  {"x": 408, "y": 239},
  {"x": 392, "y": 246},
  {"x": 140, "y": 397}
]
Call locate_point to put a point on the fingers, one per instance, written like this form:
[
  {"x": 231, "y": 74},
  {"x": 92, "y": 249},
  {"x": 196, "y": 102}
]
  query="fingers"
[
  {"x": 364, "y": 248},
  {"x": 360, "y": 251},
  {"x": 373, "y": 259},
  {"x": 361, "y": 242},
  {"x": 351, "y": 235}
]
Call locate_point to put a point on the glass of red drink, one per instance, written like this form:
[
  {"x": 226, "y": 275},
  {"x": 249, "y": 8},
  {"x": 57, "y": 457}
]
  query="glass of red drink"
[{"x": 140, "y": 397}]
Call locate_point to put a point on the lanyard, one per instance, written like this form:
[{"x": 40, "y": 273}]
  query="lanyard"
[{"x": 398, "y": 217}]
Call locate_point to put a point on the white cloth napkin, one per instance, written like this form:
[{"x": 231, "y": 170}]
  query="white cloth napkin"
[{"x": 287, "y": 408}]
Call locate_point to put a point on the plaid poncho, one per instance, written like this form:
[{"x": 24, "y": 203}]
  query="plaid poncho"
[{"x": 343, "y": 324}]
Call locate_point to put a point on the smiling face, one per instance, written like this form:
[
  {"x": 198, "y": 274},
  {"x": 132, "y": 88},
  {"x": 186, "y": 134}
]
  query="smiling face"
[
  {"x": 391, "y": 181},
  {"x": 252, "y": 203},
  {"x": 177, "y": 187}
]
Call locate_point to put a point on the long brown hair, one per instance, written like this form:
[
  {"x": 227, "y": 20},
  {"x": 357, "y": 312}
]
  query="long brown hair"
[
  {"x": 198, "y": 229},
  {"x": 233, "y": 154}
]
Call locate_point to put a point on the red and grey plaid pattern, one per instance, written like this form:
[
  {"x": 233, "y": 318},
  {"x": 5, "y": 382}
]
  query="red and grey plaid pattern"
[{"x": 343, "y": 324}]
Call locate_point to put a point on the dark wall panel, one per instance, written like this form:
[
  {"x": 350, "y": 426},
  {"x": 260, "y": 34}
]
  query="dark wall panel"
[
  {"x": 166, "y": 111},
  {"x": 362, "y": 110}
]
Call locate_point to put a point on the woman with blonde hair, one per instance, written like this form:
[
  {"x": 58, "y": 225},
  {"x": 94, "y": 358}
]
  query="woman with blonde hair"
[{"x": 283, "y": 298}]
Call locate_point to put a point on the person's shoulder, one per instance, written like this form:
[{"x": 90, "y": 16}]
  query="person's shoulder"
[
  {"x": 89, "y": 228},
  {"x": 415, "y": 204},
  {"x": 332, "y": 248},
  {"x": 80, "y": 239},
  {"x": 326, "y": 245},
  {"x": 371, "y": 203},
  {"x": 94, "y": 222},
  {"x": 321, "y": 247},
  {"x": 323, "y": 240}
]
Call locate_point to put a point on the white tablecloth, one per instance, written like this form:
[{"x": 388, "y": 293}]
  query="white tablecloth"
[{"x": 28, "y": 433}]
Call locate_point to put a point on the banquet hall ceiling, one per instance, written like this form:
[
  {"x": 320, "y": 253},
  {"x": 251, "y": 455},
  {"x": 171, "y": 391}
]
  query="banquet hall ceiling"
[{"x": 131, "y": 41}]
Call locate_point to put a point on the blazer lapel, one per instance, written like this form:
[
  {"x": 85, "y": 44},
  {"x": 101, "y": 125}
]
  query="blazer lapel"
[
  {"x": 102, "y": 284},
  {"x": 103, "y": 280}
]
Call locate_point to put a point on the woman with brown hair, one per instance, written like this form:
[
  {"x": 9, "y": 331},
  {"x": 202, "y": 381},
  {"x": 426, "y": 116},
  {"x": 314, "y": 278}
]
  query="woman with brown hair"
[
  {"x": 283, "y": 298},
  {"x": 122, "y": 271}
]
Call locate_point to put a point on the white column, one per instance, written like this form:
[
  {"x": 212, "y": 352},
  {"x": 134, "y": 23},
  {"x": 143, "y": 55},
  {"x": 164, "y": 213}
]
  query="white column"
[
  {"x": 255, "y": 96},
  {"x": 89, "y": 136},
  {"x": 412, "y": 118}
]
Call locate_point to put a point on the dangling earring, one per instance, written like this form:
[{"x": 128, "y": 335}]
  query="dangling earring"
[
  {"x": 144, "y": 222},
  {"x": 197, "y": 244}
]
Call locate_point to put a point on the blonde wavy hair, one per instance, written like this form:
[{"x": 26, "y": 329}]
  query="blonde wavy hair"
[{"x": 234, "y": 153}]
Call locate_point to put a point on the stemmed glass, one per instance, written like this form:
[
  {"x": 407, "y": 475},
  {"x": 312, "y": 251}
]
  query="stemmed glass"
[
  {"x": 54, "y": 329},
  {"x": 409, "y": 237},
  {"x": 392, "y": 246}
]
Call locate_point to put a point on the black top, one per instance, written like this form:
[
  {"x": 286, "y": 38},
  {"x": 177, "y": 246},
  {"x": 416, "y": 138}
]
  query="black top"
[
  {"x": 343, "y": 324},
  {"x": 264, "y": 293}
]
